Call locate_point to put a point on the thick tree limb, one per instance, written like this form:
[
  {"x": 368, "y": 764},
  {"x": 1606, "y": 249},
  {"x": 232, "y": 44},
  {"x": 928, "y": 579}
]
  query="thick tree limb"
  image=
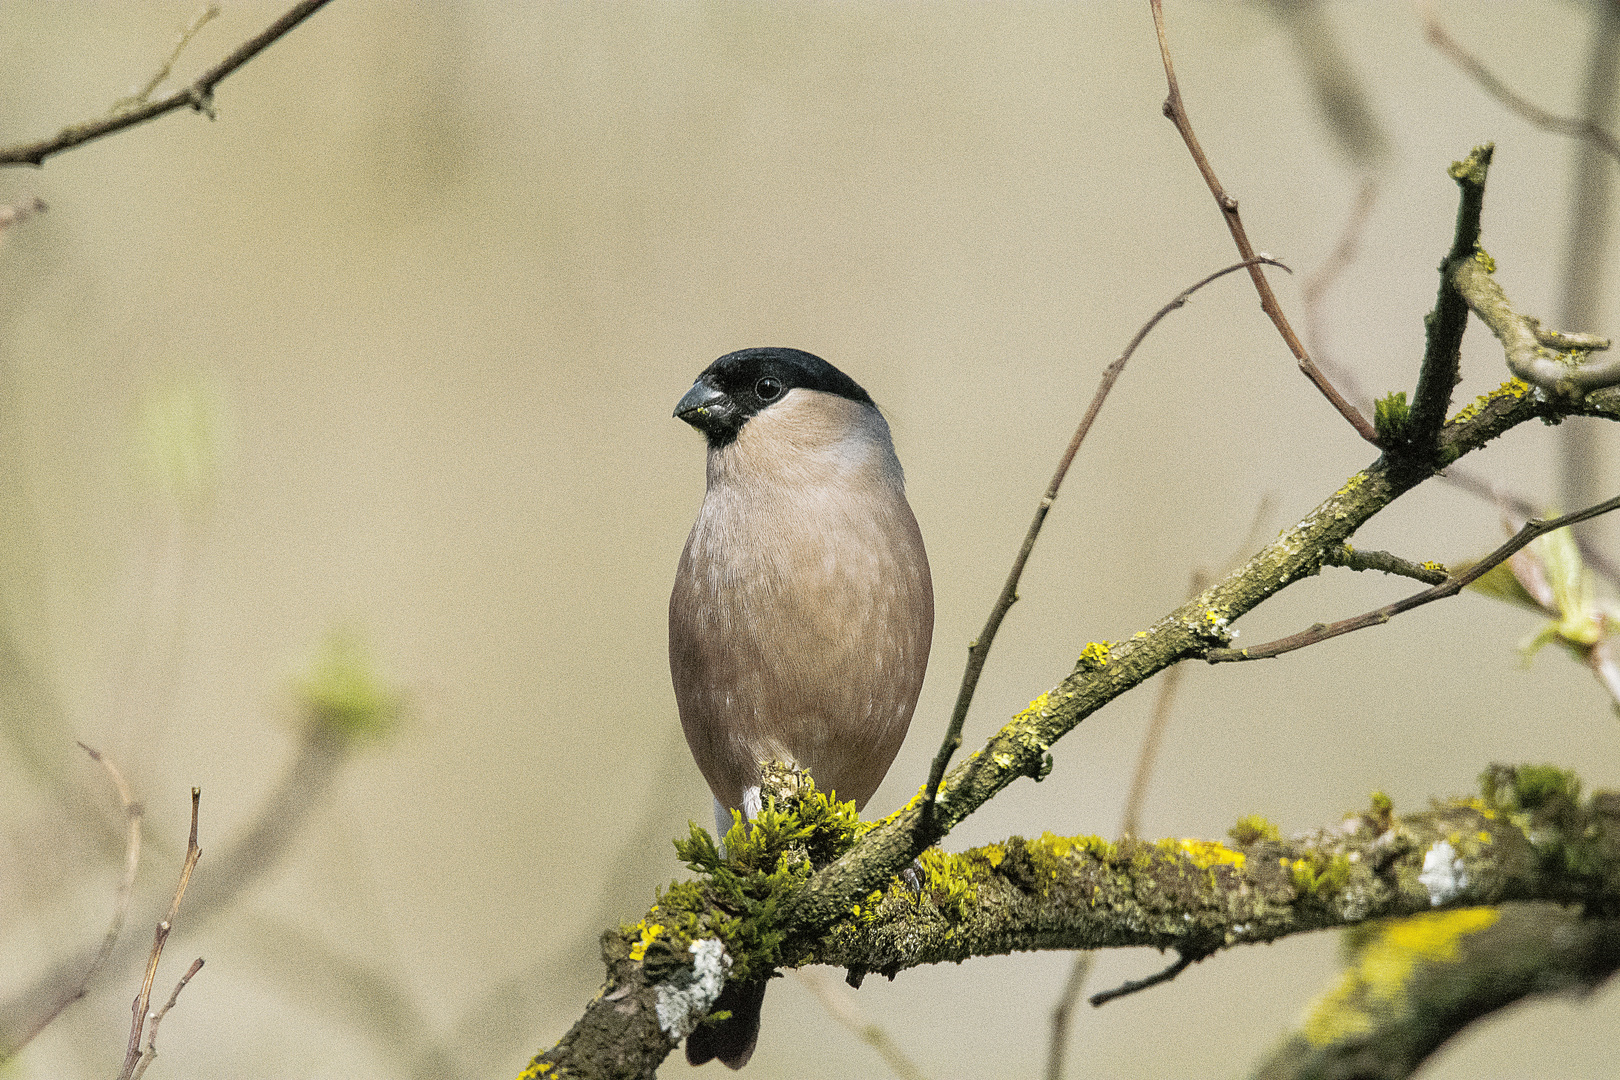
[
  {"x": 1528, "y": 837},
  {"x": 1201, "y": 896}
]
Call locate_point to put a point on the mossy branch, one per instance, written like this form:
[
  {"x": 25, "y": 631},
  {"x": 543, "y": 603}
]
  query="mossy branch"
[
  {"x": 1527, "y": 836},
  {"x": 621, "y": 1033},
  {"x": 1530, "y": 838}
]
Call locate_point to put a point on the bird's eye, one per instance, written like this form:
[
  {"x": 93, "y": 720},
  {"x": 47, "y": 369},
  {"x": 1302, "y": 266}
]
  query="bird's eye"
[{"x": 768, "y": 389}]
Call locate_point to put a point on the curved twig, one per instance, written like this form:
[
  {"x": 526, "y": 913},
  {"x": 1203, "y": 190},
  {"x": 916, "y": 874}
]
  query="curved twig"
[
  {"x": 1183, "y": 962},
  {"x": 133, "y": 1056},
  {"x": 133, "y": 814},
  {"x": 1555, "y": 361},
  {"x": 1574, "y": 127},
  {"x": 979, "y": 648},
  {"x": 1176, "y": 112}
]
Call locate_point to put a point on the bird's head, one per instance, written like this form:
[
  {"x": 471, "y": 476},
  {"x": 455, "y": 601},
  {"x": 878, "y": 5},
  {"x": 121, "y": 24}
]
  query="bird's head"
[{"x": 740, "y": 385}]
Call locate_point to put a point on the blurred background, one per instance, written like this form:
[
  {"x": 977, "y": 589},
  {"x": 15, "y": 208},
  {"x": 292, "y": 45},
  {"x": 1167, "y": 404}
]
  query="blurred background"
[{"x": 369, "y": 381}]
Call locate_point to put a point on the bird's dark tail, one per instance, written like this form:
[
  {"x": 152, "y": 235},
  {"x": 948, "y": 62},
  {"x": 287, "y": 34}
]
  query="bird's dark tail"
[{"x": 732, "y": 1039}]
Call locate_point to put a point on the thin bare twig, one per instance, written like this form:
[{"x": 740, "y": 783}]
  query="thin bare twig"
[
  {"x": 126, "y": 888},
  {"x": 1063, "y": 1010},
  {"x": 1575, "y": 127},
  {"x": 132, "y": 859},
  {"x": 1183, "y": 962},
  {"x": 199, "y": 95},
  {"x": 1453, "y": 584},
  {"x": 979, "y": 648},
  {"x": 841, "y": 1008},
  {"x": 163, "y": 72},
  {"x": 1176, "y": 112},
  {"x": 132, "y": 1056},
  {"x": 157, "y": 1018}
]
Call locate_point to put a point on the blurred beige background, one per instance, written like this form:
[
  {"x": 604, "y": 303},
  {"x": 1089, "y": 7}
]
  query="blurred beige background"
[{"x": 429, "y": 289}]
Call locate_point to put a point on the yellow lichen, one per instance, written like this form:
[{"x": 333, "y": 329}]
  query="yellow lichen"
[
  {"x": 1207, "y": 853},
  {"x": 1477, "y": 804},
  {"x": 1377, "y": 982},
  {"x": 1094, "y": 657},
  {"x": 1513, "y": 388},
  {"x": 649, "y": 934}
]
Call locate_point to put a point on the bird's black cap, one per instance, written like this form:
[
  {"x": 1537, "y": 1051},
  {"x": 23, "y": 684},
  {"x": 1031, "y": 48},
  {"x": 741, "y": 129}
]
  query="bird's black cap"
[{"x": 738, "y": 385}]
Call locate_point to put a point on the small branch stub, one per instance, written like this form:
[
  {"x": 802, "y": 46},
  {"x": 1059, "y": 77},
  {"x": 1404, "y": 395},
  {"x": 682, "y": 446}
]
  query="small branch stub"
[{"x": 1559, "y": 363}]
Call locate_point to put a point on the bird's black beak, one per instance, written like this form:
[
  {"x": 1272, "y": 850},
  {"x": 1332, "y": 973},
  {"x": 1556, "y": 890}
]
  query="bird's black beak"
[{"x": 709, "y": 410}]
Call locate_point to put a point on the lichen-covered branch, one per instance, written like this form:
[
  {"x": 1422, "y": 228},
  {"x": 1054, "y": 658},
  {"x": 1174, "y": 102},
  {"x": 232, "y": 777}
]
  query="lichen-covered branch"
[
  {"x": 1528, "y": 836},
  {"x": 1431, "y": 573},
  {"x": 1411, "y": 984},
  {"x": 1531, "y": 838}
]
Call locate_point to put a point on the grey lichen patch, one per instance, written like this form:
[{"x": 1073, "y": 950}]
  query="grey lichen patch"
[
  {"x": 685, "y": 998},
  {"x": 1444, "y": 874}
]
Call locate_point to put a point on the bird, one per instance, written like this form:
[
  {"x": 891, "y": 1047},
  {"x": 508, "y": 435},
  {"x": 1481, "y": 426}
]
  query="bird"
[{"x": 803, "y": 608}]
